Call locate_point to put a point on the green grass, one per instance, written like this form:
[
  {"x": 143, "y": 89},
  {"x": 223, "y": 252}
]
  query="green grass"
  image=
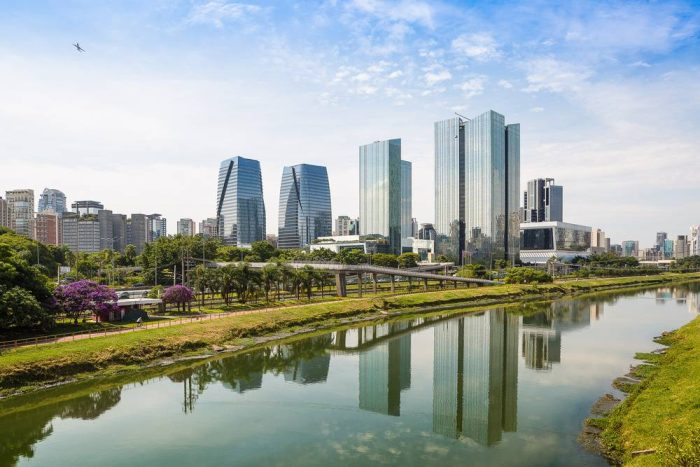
[
  {"x": 666, "y": 404},
  {"x": 27, "y": 368}
]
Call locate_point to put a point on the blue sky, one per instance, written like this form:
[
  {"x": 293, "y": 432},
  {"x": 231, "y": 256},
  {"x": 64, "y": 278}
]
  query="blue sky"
[{"x": 607, "y": 95}]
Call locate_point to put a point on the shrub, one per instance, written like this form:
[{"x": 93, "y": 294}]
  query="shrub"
[{"x": 527, "y": 276}]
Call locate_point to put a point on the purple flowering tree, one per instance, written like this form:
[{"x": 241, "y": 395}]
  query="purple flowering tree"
[
  {"x": 83, "y": 296},
  {"x": 178, "y": 294}
]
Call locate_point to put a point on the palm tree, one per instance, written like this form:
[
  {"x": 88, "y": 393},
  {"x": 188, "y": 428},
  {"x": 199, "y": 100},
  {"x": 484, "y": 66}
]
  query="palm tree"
[
  {"x": 269, "y": 276},
  {"x": 227, "y": 282},
  {"x": 200, "y": 282},
  {"x": 286, "y": 274},
  {"x": 307, "y": 278}
]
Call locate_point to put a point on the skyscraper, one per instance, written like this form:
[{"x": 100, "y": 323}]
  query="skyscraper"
[
  {"x": 477, "y": 180},
  {"x": 207, "y": 227},
  {"x": 630, "y": 248},
  {"x": 380, "y": 191},
  {"x": 492, "y": 184},
  {"x": 240, "y": 208},
  {"x": 694, "y": 240},
  {"x": 21, "y": 204},
  {"x": 449, "y": 188},
  {"x": 156, "y": 225},
  {"x": 86, "y": 207},
  {"x": 137, "y": 232},
  {"x": 543, "y": 201},
  {"x": 105, "y": 219},
  {"x": 5, "y": 218},
  {"x": 119, "y": 234},
  {"x": 52, "y": 200},
  {"x": 305, "y": 206},
  {"x": 406, "y": 200},
  {"x": 185, "y": 227},
  {"x": 344, "y": 225}
]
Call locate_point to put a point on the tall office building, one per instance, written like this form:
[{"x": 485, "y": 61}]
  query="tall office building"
[
  {"x": 21, "y": 205},
  {"x": 667, "y": 248},
  {"x": 380, "y": 191},
  {"x": 105, "y": 218},
  {"x": 630, "y": 248},
  {"x": 477, "y": 179},
  {"x": 85, "y": 207},
  {"x": 119, "y": 235},
  {"x": 69, "y": 230},
  {"x": 681, "y": 249},
  {"x": 240, "y": 208},
  {"x": 450, "y": 188},
  {"x": 207, "y": 227},
  {"x": 137, "y": 233},
  {"x": 156, "y": 225},
  {"x": 475, "y": 376},
  {"x": 185, "y": 227},
  {"x": 344, "y": 225},
  {"x": 660, "y": 238},
  {"x": 52, "y": 200},
  {"x": 5, "y": 218},
  {"x": 48, "y": 228},
  {"x": 543, "y": 201},
  {"x": 304, "y": 207},
  {"x": 81, "y": 233},
  {"x": 694, "y": 240},
  {"x": 406, "y": 201}
]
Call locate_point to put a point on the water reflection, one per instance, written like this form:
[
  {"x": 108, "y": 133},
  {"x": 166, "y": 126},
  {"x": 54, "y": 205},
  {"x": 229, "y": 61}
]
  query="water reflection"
[{"x": 475, "y": 372}]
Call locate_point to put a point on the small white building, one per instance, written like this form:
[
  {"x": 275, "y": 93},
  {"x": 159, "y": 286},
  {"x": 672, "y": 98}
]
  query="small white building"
[{"x": 539, "y": 241}]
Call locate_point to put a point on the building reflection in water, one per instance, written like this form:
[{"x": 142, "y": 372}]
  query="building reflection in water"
[
  {"x": 475, "y": 376},
  {"x": 689, "y": 295},
  {"x": 542, "y": 332}
]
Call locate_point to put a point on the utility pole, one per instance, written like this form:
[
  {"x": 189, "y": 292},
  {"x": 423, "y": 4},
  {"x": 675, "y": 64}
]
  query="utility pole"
[{"x": 155, "y": 280}]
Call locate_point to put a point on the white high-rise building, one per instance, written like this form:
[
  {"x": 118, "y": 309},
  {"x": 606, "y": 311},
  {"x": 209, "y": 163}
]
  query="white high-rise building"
[
  {"x": 185, "y": 227},
  {"x": 694, "y": 240},
  {"x": 21, "y": 205}
]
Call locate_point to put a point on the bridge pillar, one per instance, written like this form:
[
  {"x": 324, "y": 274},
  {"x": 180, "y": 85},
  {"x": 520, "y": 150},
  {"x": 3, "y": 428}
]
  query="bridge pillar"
[
  {"x": 392, "y": 283},
  {"x": 455, "y": 283},
  {"x": 374, "y": 282},
  {"x": 341, "y": 285},
  {"x": 425, "y": 284}
]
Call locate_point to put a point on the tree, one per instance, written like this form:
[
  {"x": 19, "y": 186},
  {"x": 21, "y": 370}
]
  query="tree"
[
  {"x": 181, "y": 295},
  {"x": 269, "y": 276},
  {"x": 263, "y": 250},
  {"x": 472, "y": 271},
  {"x": 19, "y": 308},
  {"x": 385, "y": 259},
  {"x": 227, "y": 282},
  {"x": 286, "y": 273},
  {"x": 231, "y": 253},
  {"x": 307, "y": 278},
  {"x": 526, "y": 276},
  {"x": 129, "y": 257},
  {"x": 408, "y": 260},
  {"x": 322, "y": 254},
  {"x": 244, "y": 280},
  {"x": 352, "y": 256},
  {"x": 79, "y": 297}
]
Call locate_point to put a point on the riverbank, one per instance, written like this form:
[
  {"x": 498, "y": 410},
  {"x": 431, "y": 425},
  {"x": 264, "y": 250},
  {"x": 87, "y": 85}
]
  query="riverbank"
[
  {"x": 23, "y": 370},
  {"x": 658, "y": 423}
]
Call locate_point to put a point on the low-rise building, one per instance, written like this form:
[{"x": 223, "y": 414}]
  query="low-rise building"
[
  {"x": 48, "y": 228},
  {"x": 540, "y": 241}
]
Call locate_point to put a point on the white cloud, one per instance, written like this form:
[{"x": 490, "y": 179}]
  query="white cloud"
[
  {"x": 473, "y": 86},
  {"x": 481, "y": 46},
  {"x": 410, "y": 11},
  {"x": 550, "y": 74},
  {"x": 395, "y": 74},
  {"x": 361, "y": 77},
  {"x": 537, "y": 109},
  {"x": 640, "y": 64},
  {"x": 505, "y": 84},
  {"x": 434, "y": 77},
  {"x": 217, "y": 11}
]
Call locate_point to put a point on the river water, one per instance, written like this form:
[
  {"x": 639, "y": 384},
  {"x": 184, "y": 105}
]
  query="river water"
[{"x": 496, "y": 388}]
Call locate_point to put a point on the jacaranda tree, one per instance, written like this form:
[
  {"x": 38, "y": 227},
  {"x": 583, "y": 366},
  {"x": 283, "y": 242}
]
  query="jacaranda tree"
[
  {"x": 84, "y": 296},
  {"x": 181, "y": 295}
]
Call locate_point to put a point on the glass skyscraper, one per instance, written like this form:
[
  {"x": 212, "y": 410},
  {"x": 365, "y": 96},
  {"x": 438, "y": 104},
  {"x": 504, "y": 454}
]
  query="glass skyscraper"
[
  {"x": 305, "y": 206},
  {"x": 380, "y": 191},
  {"x": 52, "y": 200},
  {"x": 406, "y": 200},
  {"x": 477, "y": 182},
  {"x": 240, "y": 208}
]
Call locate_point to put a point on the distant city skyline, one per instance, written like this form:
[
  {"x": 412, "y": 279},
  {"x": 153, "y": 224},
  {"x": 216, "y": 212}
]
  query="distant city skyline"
[{"x": 601, "y": 93}]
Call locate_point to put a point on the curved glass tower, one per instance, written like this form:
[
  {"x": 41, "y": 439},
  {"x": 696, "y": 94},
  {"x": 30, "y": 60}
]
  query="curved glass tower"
[
  {"x": 240, "y": 208},
  {"x": 305, "y": 206}
]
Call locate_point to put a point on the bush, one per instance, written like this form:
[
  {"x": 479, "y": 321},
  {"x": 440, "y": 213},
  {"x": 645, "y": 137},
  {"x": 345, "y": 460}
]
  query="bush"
[
  {"x": 472, "y": 271},
  {"x": 527, "y": 276}
]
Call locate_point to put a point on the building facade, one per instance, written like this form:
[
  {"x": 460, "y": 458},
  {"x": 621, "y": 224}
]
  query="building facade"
[
  {"x": 304, "y": 207},
  {"x": 52, "y": 200},
  {"x": 185, "y": 227},
  {"x": 540, "y": 241},
  {"x": 630, "y": 248},
  {"x": 156, "y": 225},
  {"x": 137, "y": 233},
  {"x": 694, "y": 240},
  {"x": 344, "y": 225},
  {"x": 21, "y": 206},
  {"x": 5, "y": 218},
  {"x": 48, "y": 228},
  {"x": 81, "y": 233},
  {"x": 207, "y": 227},
  {"x": 543, "y": 201},
  {"x": 240, "y": 208},
  {"x": 477, "y": 181},
  {"x": 406, "y": 202},
  {"x": 681, "y": 248},
  {"x": 119, "y": 234},
  {"x": 380, "y": 191},
  {"x": 85, "y": 207}
]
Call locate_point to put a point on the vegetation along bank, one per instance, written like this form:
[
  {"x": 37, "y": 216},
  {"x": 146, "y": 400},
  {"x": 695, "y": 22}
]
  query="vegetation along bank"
[{"x": 29, "y": 368}]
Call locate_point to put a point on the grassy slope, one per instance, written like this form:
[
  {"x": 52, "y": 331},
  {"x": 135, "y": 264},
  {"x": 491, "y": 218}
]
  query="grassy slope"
[
  {"x": 28, "y": 367},
  {"x": 668, "y": 401}
]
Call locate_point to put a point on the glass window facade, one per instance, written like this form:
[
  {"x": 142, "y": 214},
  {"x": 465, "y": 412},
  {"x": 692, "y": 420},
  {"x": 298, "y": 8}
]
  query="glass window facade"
[
  {"x": 492, "y": 183},
  {"x": 305, "y": 206},
  {"x": 240, "y": 208},
  {"x": 21, "y": 206},
  {"x": 406, "y": 200},
  {"x": 380, "y": 191},
  {"x": 449, "y": 187},
  {"x": 557, "y": 236},
  {"x": 52, "y": 200}
]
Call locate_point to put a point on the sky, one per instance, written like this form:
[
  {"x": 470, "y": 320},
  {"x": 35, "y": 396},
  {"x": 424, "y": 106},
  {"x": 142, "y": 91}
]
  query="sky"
[{"x": 607, "y": 95}]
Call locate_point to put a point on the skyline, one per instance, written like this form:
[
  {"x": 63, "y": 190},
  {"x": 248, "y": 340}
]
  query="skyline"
[{"x": 166, "y": 91}]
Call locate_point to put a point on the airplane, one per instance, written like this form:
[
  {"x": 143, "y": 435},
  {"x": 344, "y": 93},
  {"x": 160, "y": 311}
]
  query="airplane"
[{"x": 78, "y": 48}]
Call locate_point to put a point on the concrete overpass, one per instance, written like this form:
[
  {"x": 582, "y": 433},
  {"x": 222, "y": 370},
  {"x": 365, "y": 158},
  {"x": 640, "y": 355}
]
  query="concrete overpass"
[{"x": 342, "y": 271}]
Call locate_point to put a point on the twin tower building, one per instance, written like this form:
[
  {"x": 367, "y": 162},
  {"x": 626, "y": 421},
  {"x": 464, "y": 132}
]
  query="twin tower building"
[{"x": 477, "y": 186}]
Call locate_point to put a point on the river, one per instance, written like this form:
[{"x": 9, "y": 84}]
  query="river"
[{"x": 507, "y": 386}]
